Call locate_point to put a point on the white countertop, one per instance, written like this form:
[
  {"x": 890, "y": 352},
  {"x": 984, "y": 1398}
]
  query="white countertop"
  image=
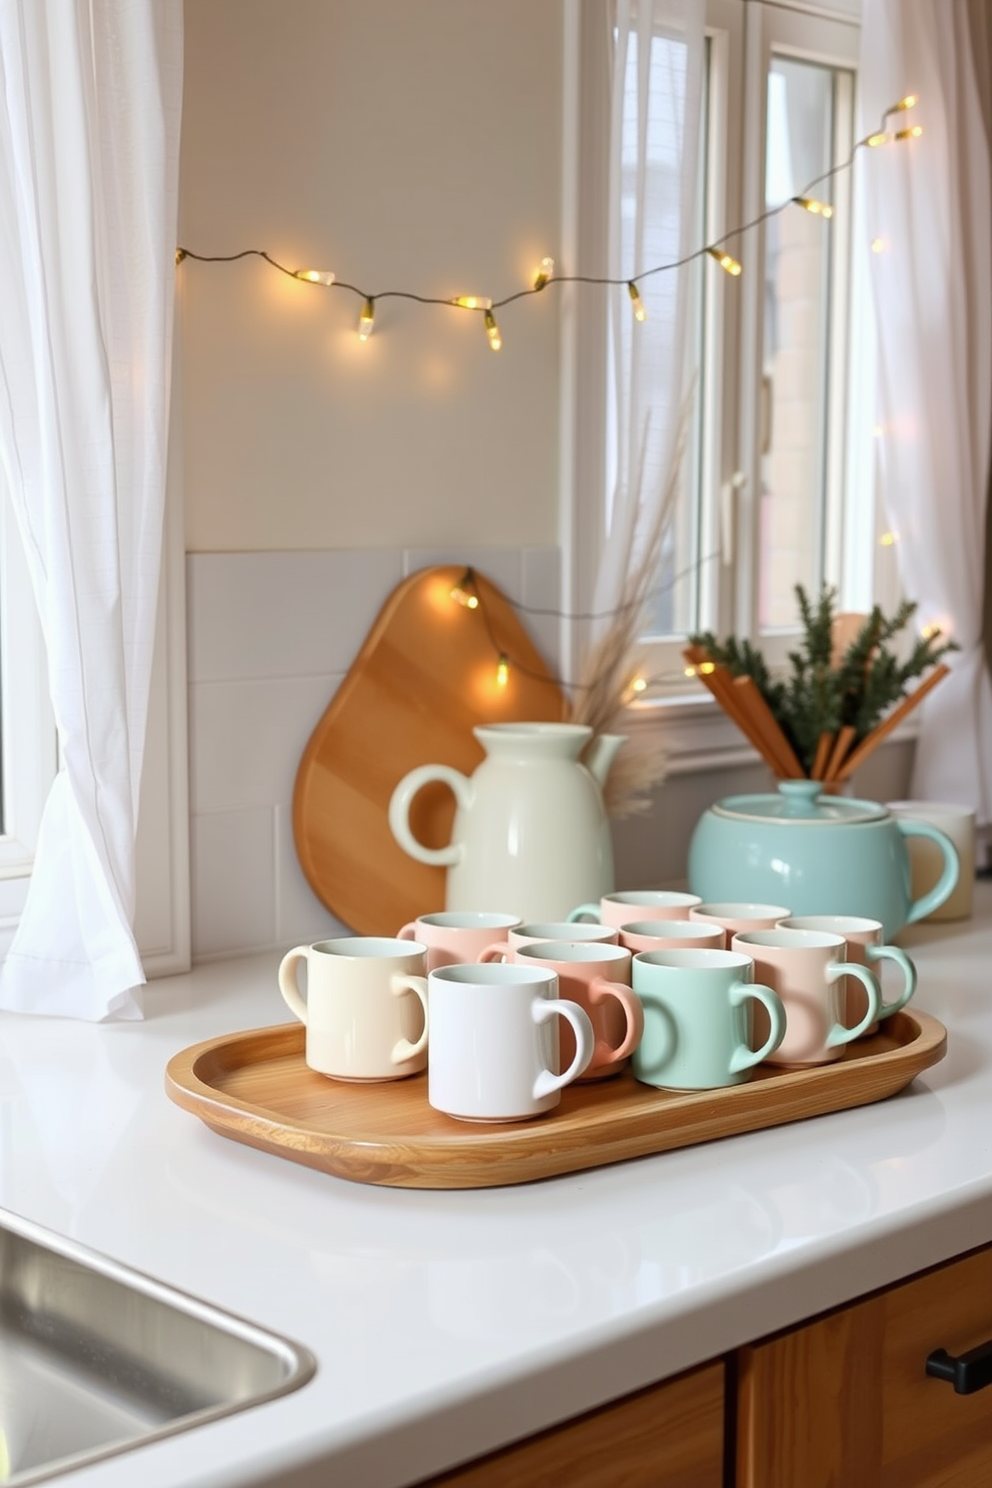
[{"x": 445, "y": 1324}]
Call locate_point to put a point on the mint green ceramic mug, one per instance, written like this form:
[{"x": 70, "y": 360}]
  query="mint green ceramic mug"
[{"x": 697, "y": 1018}]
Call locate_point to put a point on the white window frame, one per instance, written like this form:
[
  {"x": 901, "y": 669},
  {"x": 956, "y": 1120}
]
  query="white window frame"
[{"x": 743, "y": 34}]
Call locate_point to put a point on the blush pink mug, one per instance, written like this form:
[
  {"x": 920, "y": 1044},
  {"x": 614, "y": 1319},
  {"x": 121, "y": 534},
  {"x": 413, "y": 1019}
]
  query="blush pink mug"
[
  {"x": 454, "y": 937},
  {"x": 597, "y": 977}
]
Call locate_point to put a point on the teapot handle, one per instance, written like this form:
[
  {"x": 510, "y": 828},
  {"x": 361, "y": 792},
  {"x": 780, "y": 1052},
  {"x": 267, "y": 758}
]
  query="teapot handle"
[
  {"x": 399, "y": 813},
  {"x": 947, "y": 883}
]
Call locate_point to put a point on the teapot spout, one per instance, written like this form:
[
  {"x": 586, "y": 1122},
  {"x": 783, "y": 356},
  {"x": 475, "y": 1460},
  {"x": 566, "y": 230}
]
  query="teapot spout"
[{"x": 600, "y": 754}]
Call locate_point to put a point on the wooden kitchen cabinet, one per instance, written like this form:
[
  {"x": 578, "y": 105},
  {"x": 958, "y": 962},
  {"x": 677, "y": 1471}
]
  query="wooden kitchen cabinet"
[
  {"x": 845, "y": 1402},
  {"x": 669, "y": 1436}
]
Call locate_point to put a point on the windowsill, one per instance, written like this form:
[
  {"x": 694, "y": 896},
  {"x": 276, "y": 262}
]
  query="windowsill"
[{"x": 699, "y": 736}]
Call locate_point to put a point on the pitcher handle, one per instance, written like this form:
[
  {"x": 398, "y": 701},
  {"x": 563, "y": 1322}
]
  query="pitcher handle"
[
  {"x": 399, "y": 813},
  {"x": 948, "y": 880}
]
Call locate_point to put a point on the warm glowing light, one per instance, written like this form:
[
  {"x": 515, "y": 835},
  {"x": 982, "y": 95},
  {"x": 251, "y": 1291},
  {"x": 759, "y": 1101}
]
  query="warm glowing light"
[
  {"x": 502, "y": 670},
  {"x": 690, "y": 671},
  {"x": 366, "y": 321},
  {"x": 913, "y": 133},
  {"x": 728, "y": 264},
  {"x": 929, "y": 631},
  {"x": 878, "y": 245},
  {"x": 639, "y": 684},
  {"x": 910, "y": 101},
  {"x": 874, "y": 140},
  {"x": 473, "y": 302},
  {"x": 706, "y": 667},
  {"x": 180, "y": 255},
  {"x": 464, "y": 593},
  {"x": 818, "y": 208},
  {"x": 639, "y": 311},
  {"x": 545, "y": 271},
  {"x": 315, "y": 276},
  {"x": 492, "y": 331},
  {"x": 888, "y": 539}
]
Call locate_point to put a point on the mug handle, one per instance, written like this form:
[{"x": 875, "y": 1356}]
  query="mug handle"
[
  {"x": 542, "y": 1010},
  {"x": 400, "y": 986},
  {"x": 744, "y": 1057},
  {"x": 498, "y": 952},
  {"x": 289, "y": 985},
  {"x": 906, "y": 966},
  {"x": 399, "y": 813},
  {"x": 583, "y": 911},
  {"x": 948, "y": 880},
  {"x": 604, "y": 1053},
  {"x": 838, "y": 1033},
  {"x": 407, "y": 932}
]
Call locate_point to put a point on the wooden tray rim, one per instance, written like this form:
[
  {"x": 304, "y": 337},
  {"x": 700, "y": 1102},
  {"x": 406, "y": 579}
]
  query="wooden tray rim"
[{"x": 429, "y": 1160}]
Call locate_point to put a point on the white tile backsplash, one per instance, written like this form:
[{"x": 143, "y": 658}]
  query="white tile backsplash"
[{"x": 271, "y": 636}]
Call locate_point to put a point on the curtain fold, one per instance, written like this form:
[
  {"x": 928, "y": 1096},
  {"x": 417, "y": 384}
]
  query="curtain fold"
[
  {"x": 656, "y": 97},
  {"x": 90, "y": 102},
  {"x": 929, "y": 208}
]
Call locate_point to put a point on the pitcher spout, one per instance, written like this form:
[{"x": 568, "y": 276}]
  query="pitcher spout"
[{"x": 599, "y": 755}]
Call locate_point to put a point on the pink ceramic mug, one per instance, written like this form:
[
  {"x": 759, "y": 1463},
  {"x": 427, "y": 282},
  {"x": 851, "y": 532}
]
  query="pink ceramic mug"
[
  {"x": 597, "y": 977},
  {"x": 556, "y": 930},
  {"x": 671, "y": 935},
  {"x": 739, "y": 918},
  {"x": 636, "y": 904},
  {"x": 865, "y": 944},
  {"x": 454, "y": 937}
]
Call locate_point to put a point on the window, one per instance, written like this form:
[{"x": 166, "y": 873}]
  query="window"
[{"x": 777, "y": 489}]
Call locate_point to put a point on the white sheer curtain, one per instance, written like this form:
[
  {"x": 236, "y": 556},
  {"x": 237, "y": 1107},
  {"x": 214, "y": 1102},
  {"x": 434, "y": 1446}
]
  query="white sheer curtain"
[
  {"x": 928, "y": 204},
  {"x": 90, "y": 99},
  {"x": 659, "y": 54}
]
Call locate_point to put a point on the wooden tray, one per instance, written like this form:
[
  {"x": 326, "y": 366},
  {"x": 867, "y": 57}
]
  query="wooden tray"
[{"x": 256, "y": 1088}]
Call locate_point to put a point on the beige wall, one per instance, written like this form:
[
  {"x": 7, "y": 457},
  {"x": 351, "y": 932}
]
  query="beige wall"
[{"x": 405, "y": 145}]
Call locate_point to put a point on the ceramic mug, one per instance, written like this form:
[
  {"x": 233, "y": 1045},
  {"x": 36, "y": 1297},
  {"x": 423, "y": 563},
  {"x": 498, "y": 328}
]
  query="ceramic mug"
[
  {"x": 365, "y": 1010},
  {"x": 864, "y": 941},
  {"x": 696, "y": 1023},
  {"x": 494, "y": 1042},
  {"x": 736, "y": 918},
  {"x": 557, "y": 930},
  {"x": 456, "y": 936},
  {"x": 806, "y": 969},
  {"x": 926, "y": 859},
  {"x": 671, "y": 935},
  {"x": 637, "y": 904},
  {"x": 597, "y": 978}
]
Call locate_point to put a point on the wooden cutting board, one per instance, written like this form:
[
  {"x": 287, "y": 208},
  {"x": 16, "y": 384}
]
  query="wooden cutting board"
[{"x": 425, "y": 677}]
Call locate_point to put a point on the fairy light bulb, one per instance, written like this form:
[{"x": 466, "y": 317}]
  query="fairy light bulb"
[
  {"x": 464, "y": 593},
  {"x": 545, "y": 271},
  {"x": 639, "y": 311},
  {"x": 492, "y": 331},
  {"x": 689, "y": 671},
  {"x": 912, "y": 133},
  {"x": 473, "y": 302},
  {"x": 180, "y": 255},
  {"x": 502, "y": 670},
  {"x": 910, "y": 101},
  {"x": 878, "y": 245},
  {"x": 727, "y": 263},
  {"x": 874, "y": 140},
  {"x": 314, "y": 276},
  {"x": 817, "y": 208},
  {"x": 366, "y": 321},
  {"x": 639, "y": 684},
  {"x": 888, "y": 539}
]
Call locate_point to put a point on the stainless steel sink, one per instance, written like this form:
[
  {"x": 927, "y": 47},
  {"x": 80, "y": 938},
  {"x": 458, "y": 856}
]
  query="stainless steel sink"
[{"x": 96, "y": 1358}]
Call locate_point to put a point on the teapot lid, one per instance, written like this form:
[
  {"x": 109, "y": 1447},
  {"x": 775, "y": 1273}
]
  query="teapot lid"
[{"x": 800, "y": 801}]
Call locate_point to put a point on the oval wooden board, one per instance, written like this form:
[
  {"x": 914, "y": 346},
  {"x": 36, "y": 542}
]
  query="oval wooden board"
[
  {"x": 424, "y": 678},
  {"x": 257, "y": 1088}
]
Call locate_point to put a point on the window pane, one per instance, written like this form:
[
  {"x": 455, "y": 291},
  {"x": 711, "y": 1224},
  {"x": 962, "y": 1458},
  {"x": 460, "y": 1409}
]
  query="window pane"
[{"x": 796, "y": 338}]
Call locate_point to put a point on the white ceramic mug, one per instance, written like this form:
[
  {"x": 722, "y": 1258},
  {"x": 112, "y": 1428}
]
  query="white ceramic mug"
[
  {"x": 557, "y": 930},
  {"x": 806, "y": 969},
  {"x": 637, "y": 904},
  {"x": 494, "y": 1042},
  {"x": 865, "y": 944},
  {"x": 455, "y": 936},
  {"x": 926, "y": 861},
  {"x": 365, "y": 1010}
]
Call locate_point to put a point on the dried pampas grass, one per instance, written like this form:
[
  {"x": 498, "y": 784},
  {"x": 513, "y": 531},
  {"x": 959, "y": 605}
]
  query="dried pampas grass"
[{"x": 603, "y": 689}]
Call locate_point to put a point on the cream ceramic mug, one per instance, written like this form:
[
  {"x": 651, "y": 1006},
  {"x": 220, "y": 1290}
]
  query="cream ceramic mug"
[
  {"x": 494, "y": 1042},
  {"x": 864, "y": 940},
  {"x": 557, "y": 930},
  {"x": 637, "y": 904},
  {"x": 806, "y": 969},
  {"x": 365, "y": 1010},
  {"x": 455, "y": 936},
  {"x": 597, "y": 978}
]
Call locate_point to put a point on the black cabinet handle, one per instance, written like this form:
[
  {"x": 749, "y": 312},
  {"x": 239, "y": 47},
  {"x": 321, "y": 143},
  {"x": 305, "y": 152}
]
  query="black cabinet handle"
[{"x": 967, "y": 1373}]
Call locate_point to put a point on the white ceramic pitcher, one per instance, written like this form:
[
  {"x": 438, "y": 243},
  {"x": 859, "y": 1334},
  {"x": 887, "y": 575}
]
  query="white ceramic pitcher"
[{"x": 530, "y": 834}]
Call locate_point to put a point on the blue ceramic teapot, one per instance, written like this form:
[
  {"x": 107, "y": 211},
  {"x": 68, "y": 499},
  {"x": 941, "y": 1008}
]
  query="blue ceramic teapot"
[{"x": 817, "y": 854}]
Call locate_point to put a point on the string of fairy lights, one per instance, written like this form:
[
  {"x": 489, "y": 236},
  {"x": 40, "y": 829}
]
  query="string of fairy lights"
[
  {"x": 546, "y": 272},
  {"x": 466, "y": 590}
]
